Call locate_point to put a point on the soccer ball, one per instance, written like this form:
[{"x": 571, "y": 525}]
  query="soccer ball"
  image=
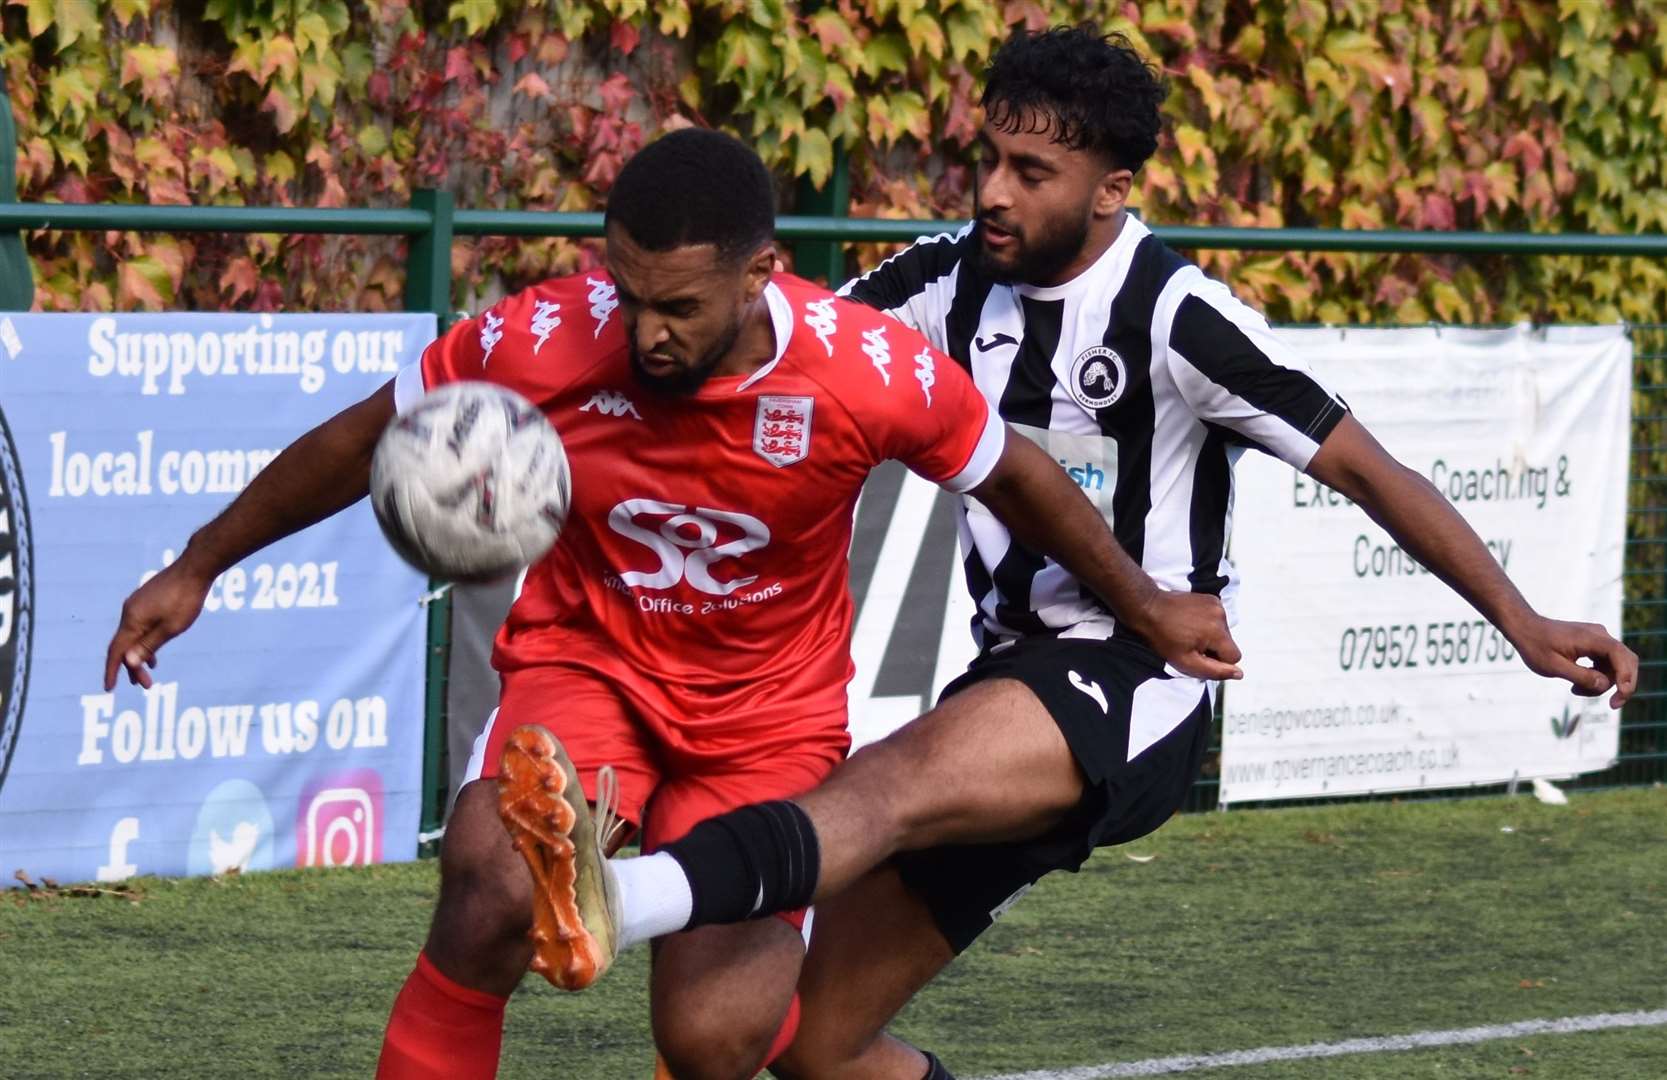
[{"x": 471, "y": 483}]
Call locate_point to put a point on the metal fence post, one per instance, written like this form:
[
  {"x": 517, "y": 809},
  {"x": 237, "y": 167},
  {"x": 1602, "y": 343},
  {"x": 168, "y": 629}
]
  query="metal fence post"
[
  {"x": 17, "y": 280},
  {"x": 824, "y": 259},
  {"x": 428, "y": 288}
]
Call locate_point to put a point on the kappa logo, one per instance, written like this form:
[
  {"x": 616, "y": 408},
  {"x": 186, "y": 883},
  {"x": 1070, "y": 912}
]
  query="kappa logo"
[
  {"x": 781, "y": 428},
  {"x": 603, "y": 300},
  {"x": 926, "y": 374},
  {"x": 17, "y": 597},
  {"x": 822, "y": 317},
  {"x": 1092, "y": 689},
  {"x": 878, "y": 350},
  {"x": 491, "y": 332},
  {"x": 611, "y": 403},
  {"x": 544, "y": 321}
]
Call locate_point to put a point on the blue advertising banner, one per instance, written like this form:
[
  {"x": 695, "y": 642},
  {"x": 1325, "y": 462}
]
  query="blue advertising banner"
[{"x": 286, "y": 726}]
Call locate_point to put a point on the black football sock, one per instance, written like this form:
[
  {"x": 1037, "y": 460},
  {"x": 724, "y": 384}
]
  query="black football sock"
[
  {"x": 935, "y": 1069},
  {"x": 750, "y": 862}
]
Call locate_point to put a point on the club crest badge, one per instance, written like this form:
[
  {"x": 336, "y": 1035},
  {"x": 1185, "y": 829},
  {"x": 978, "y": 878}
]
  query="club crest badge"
[
  {"x": 781, "y": 430},
  {"x": 1098, "y": 378}
]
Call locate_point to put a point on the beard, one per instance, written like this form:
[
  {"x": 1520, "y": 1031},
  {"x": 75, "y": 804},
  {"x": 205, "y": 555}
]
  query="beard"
[
  {"x": 1034, "y": 258},
  {"x": 686, "y": 380}
]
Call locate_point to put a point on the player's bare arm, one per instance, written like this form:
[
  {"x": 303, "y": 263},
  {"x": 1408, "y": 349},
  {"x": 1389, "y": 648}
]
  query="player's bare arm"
[
  {"x": 325, "y": 470},
  {"x": 1426, "y": 525},
  {"x": 1047, "y": 512}
]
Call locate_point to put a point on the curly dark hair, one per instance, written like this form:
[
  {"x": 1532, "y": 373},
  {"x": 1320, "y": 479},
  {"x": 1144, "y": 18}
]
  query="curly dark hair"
[
  {"x": 693, "y": 187},
  {"x": 1091, "y": 90}
]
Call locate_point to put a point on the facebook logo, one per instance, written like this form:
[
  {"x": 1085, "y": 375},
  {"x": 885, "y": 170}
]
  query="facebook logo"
[{"x": 119, "y": 868}]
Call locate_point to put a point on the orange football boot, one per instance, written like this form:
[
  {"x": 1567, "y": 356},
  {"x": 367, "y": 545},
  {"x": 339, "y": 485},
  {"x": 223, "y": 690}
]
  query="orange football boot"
[{"x": 575, "y": 907}]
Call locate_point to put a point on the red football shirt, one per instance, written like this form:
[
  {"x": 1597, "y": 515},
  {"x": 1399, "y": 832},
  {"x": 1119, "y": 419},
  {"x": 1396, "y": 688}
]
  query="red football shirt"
[{"x": 703, "y": 564}]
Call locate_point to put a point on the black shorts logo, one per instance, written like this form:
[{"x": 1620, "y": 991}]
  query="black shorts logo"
[{"x": 17, "y": 596}]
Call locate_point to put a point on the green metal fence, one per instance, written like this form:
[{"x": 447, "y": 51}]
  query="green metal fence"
[{"x": 431, "y": 222}]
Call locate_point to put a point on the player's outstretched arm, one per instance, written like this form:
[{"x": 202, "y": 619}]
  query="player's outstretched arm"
[
  {"x": 323, "y": 471},
  {"x": 1426, "y": 525},
  {"x": 1032, "y": 496}
]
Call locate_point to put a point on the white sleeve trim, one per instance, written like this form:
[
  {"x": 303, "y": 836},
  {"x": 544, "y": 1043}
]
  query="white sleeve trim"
[
  {"x": 408, "y": 385},
  {"x": 984, "y": 456}
]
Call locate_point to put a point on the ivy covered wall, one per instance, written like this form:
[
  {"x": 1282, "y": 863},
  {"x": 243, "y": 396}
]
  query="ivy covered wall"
[{"x": 1543, "y": 115}]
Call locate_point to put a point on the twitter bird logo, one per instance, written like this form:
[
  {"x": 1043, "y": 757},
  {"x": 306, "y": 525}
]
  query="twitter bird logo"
[
  {"x": 233, "y": 854},
  {"x": 233, "y": 831}
]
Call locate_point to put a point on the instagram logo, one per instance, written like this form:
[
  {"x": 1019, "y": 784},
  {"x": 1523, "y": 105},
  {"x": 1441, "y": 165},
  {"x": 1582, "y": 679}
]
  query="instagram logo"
[{"x": 339, "y": 822}]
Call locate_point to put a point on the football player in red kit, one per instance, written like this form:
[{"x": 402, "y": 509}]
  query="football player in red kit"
[{"x": 688, "y": 637}]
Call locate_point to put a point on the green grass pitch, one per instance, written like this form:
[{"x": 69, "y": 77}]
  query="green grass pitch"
[{"x": 1243, "y": 930}]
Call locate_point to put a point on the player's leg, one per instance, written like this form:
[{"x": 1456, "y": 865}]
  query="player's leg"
[
  {"x": 448, "y": 1019},
  {"x": 873, "y": 947},
  {"x": 863, "y": 966},
  {"x": 722, "y": 996},
  {"x": 1030, "y": 739},
  {"x": 719, "y": 996}
]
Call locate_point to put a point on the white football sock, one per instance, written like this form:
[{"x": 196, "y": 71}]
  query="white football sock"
[{"x": 654, "y": 897}]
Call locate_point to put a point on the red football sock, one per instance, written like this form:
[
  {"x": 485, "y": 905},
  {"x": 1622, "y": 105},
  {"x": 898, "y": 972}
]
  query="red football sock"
[
  {"x": 784, "y": 1037},
  {"x": 440, "y": 1029}
]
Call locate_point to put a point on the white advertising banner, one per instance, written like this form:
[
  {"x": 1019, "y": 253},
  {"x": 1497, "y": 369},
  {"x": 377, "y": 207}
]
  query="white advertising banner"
[{"x": 1363, "y": 671}]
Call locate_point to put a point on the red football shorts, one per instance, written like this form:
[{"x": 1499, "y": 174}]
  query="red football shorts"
[{"x": 672, "y": 776}]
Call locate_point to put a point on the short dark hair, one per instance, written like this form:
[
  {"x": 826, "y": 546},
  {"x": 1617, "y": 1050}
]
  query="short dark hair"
[
  {"x": 1092, "y": 90},
  {"x": 695, "y": 186}
]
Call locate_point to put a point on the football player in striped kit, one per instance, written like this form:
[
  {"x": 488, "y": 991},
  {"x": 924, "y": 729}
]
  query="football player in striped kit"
[{"x": 1147, "y": 380}]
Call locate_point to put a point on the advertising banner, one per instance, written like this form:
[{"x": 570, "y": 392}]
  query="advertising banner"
[
  {"x": 1363, "y": 671},
  {"x": 286, "y": 726}
]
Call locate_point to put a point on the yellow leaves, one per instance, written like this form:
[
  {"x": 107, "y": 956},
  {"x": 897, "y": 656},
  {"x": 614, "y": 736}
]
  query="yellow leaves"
[
  {"x": 125, "y": 10},
  {"x": 1249, "y": 44},
  {"x": 475, "y": 15},
  {"x": 1473, "y": 86},
  {"x": 372, "y": 140},
  {"x": 319, "y": 79},
  {"x": 813, "y": 156},
  {"x": 279, "y": 167},
  {"x": 1354, "y": 51},
  {"x": 284, "y": 108},
  {"x": 154, "y": 67},
  {"x": 1430, "y": 118},
  {"x": 72, "y": 92},
  {"x": 71, "y": 19},
  {"x": 674, "y": 18},
  {"x": 1192, "y": 143},
  {"x": 885, "y": 53},
  {"x": 925, "y": 36},
  {"x": 1317, "y": 177},
  {"x": 1319, "y": 72},
  {"x": 1201, "y": 80},
  {"x": 220, "y": 169},
  {"x": 312, "y": 34},
  {"x": 968, "y": 36}
]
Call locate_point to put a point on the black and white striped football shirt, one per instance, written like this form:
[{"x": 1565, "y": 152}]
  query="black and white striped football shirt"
[{"x": 1142, "y": 377}]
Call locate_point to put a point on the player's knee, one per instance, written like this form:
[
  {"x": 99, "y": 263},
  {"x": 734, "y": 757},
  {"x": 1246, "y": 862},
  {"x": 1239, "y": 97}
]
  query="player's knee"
[
  {"x": 705, "y": 1046},
  {"x": 486, "y": 893}
]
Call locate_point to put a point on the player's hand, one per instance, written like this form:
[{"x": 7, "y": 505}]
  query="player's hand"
[
  {"x": 1551, "y": 648},
  {"x": 1189, "y": 630},
  {"x": 157, "y": 612}
]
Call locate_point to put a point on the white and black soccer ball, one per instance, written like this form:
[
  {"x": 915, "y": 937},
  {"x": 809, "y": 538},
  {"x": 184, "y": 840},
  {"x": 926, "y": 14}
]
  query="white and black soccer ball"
[{"x": 471, "y": 483}]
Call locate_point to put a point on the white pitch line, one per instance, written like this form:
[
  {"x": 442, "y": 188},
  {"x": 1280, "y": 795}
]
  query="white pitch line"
[{"x": 1417, "y": 1040}]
